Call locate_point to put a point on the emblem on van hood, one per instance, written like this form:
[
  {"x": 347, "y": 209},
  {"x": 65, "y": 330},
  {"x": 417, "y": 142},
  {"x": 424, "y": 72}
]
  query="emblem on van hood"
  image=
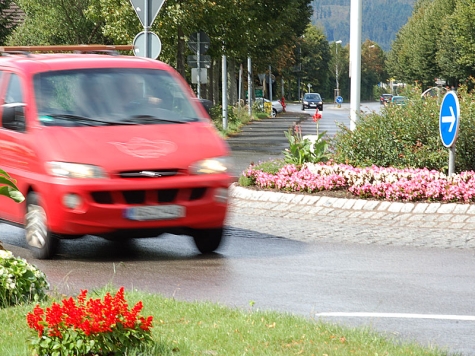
[{"x": 143, "y": 148}]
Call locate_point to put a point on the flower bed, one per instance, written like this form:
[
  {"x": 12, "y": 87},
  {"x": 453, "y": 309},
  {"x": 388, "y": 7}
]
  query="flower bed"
[
  {"x": 89, "y": 326},
  {"x": 370, "y": 182}
]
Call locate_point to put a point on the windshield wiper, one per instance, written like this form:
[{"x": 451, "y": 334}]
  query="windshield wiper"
[
  {"x": 86, "y": 120},
  {"x": 150, "y": 119}
]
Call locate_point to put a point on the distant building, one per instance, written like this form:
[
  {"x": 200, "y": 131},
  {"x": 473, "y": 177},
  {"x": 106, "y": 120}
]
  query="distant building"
[{"x": 14, "y": 12}]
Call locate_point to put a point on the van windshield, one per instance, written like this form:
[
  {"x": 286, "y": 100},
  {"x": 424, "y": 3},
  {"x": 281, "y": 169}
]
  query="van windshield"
[{"x": 106, "y": 96}]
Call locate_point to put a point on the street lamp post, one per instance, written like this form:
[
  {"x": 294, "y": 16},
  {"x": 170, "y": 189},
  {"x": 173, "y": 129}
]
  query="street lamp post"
[{"x": 337, "y": 91}]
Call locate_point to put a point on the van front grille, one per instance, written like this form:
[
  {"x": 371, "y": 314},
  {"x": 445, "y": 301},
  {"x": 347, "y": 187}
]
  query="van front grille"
[{"x": 155, "y": 196}]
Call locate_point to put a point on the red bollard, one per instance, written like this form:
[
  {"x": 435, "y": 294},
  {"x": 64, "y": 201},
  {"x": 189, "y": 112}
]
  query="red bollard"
[{"x": 282, "y": 101}]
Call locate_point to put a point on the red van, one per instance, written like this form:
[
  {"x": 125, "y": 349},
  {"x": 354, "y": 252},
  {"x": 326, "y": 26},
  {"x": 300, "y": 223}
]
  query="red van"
[{"x": 108, "y": 145}]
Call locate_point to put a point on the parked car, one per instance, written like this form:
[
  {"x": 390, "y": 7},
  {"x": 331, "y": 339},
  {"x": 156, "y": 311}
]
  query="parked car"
[
  {"x": 385, "y": 99},
  {"x": 312, "y": 101},
  {"x": 277, "y": 107},
  {"x": 399, "y": 100},
  {"x": 145, "y": 161}
]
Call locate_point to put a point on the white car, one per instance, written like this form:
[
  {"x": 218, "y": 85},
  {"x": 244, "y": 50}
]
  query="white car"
[{"x": 276, "y": 105}]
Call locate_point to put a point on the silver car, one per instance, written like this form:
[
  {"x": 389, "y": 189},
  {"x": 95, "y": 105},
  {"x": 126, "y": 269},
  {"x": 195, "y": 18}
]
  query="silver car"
[{"x": 276, "y": 105}]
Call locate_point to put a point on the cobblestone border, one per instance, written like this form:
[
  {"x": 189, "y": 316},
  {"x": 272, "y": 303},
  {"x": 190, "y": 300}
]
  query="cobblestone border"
[{"x": 429, "y": 215}]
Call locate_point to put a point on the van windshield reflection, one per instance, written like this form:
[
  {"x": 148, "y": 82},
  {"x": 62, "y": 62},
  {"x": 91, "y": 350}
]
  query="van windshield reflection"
[{"x": 110, "y": 96}]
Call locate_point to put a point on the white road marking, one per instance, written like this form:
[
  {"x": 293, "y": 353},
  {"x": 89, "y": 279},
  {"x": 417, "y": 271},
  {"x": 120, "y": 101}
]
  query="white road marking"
[{"x": 400, "y": 315}]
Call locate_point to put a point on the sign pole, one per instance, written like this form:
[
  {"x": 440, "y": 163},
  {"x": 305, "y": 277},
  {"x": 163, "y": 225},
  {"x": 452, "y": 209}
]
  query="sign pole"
[
  {"x": 249, "y": 85},
  {"x": 198, "y": 56},
  {"x": 225, "y": 92},
  {"x": 451, "y": 160},
  {"x": 145, "y": 30}
]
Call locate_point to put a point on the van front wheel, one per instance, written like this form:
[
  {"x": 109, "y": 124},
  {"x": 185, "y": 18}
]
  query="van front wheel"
[
  {"x": 207, "y": 240},
  {"x": 41, "y": 241}
]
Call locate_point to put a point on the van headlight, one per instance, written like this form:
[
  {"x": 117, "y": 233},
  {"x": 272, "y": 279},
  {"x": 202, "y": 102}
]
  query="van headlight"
[
  {"x": 212, "y": 166},
  {"x": 74, "y": 170}
]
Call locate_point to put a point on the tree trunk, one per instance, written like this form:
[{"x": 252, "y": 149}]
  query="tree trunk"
[{"x": 180, "y": 55}]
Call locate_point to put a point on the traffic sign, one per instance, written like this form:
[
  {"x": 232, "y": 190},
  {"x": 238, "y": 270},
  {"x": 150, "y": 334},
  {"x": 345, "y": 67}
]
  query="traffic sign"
[
  {"x": 147, "y": 10},
  {"x": 205, "y": 61},
  {"x": 199, "y": 40},
  {"x": 154, "y": 45},
  {"x": 449, "y": 118},
  {"x": 339, "y": 99}
]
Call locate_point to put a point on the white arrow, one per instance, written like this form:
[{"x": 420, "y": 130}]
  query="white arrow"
[{"x": 449, "y": 119}]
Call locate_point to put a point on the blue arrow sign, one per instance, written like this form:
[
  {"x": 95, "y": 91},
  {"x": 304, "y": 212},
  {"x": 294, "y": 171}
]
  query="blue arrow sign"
[
  {"x": 339, "y": 99},
  {"x": 449, "y": 118}
]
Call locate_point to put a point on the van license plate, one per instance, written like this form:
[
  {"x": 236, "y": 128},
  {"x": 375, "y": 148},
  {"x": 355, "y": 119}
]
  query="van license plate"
[{"x": 155, "y": 212}]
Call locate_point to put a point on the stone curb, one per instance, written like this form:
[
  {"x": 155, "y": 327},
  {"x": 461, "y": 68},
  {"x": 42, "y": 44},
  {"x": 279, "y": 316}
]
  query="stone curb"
[
  {"x": 434, "y": 215},
  {"x": 353, "y": 204}
]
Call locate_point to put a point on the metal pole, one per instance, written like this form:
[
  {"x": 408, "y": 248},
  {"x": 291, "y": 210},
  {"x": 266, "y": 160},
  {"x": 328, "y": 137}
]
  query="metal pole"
[
  {"x": 198, "y": 57},
  {"x": 240, "y": 84},
  {"x": 452, "y": 160},
  {"x": 355, "y": 60},
  {"x": 145, "y": 30},
  {"x": 270, "y": 85},
  {"x": 225, "y": 93},
  {"x": 249, "y": 84}
]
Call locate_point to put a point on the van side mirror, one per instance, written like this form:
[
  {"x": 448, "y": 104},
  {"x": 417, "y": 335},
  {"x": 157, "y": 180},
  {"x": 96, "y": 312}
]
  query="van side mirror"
[{"x": 13, "y": 117}]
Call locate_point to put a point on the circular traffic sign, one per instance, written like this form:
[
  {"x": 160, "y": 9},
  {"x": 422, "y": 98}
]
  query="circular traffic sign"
[
  {"x": 154, "y": 45},
  {"x": 449, "y": 118},
  {"x": 339, "y": 99}
]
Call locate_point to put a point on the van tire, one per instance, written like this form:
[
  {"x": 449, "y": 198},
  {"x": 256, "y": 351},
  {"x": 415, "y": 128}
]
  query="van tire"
[
  {"x": 207, "y": 240},
  {"x": 42, "y": 243}
]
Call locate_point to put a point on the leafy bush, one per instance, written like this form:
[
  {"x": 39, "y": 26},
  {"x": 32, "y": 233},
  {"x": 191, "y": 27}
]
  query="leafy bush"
[
  {"x": 302, "y": 150},
  {"x": 407, "y": 136},
  {"x": 20, "y": 282}
]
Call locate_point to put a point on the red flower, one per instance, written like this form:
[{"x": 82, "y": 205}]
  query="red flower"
[
  {"x": 317, "y": 116},
  {"x": 92, "y": 317}
]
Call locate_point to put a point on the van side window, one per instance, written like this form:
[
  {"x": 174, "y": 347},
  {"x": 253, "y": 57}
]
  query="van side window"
[
  {"x": 13, "y": 112},
  {"x": 14, "y": 93}
]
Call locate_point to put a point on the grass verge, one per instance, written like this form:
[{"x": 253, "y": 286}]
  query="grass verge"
[{"x": 202, "y": 328}]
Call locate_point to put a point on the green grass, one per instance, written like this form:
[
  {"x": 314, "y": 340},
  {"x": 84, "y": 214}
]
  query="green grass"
[{"x": 202, "y": 328}]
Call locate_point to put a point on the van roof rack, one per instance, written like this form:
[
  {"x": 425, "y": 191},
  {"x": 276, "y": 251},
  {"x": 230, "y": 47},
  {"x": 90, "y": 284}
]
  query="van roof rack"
[{"x": 26, "y": 50}]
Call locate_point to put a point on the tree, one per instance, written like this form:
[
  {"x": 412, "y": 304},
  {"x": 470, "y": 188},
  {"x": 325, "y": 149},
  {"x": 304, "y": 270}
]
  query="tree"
[
  {"x": 456, "y": 49},
  {"x": 49, "y": 22},
  {"x": 315, "y": 59},
  {"x": 414, "y": 55},
  {"x": 373, "y": 69},
  {"x": 265, "y": 30}
]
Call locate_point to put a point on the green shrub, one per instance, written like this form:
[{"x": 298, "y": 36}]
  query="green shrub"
[
  {"x": 407, "y": 136},
  {"x": 302, "y": 150},
  {"x": 20, "y": 282}
]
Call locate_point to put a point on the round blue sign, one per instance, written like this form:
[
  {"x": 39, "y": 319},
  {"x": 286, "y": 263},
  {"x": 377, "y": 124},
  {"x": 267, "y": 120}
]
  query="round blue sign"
[
  {"x": 449, "y": 118},
  {"x": 339, "y": 99}
]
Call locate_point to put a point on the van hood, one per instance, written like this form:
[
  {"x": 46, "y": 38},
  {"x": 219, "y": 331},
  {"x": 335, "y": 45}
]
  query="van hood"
[{"x": 119, "y": 148}]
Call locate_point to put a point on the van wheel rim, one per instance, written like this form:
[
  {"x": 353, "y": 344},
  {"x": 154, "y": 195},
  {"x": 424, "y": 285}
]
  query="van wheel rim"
[{"x": 36, "y": 232}]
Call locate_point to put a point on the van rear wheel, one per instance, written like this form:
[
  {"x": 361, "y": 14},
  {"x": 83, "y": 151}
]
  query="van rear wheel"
[
  {"x": 207, "y": 240},
  {"x": 40, "y": 240}
]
